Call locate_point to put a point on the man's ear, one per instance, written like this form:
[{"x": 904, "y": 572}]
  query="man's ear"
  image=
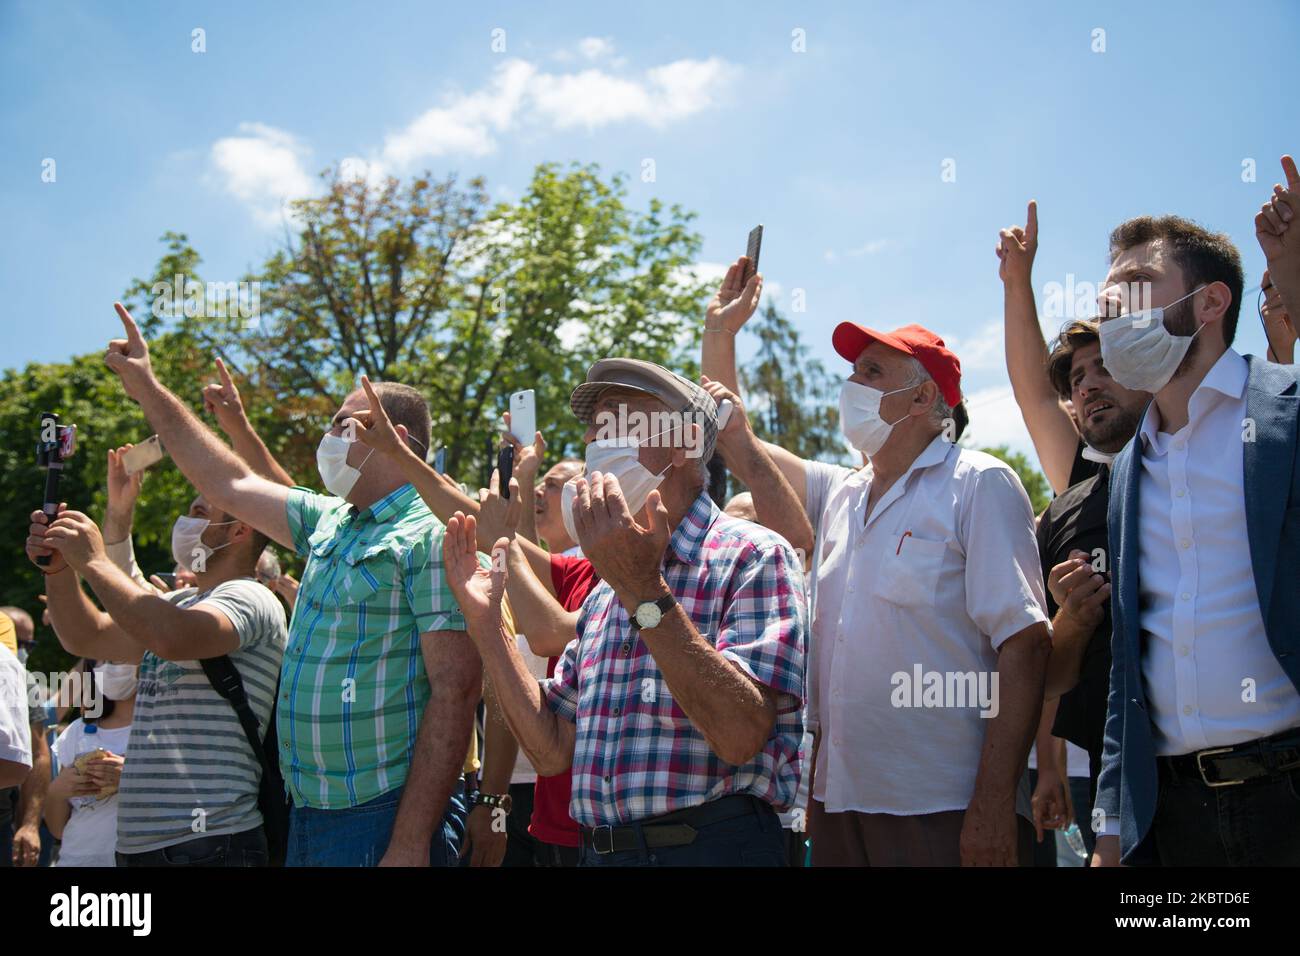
[
  {"x": 1216, "y": 298},
  {"x": 924, "y": 398}
]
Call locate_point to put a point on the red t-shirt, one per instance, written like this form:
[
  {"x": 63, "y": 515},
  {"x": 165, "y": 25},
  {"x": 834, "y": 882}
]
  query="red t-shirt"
[{"x": 573, "y": 578}]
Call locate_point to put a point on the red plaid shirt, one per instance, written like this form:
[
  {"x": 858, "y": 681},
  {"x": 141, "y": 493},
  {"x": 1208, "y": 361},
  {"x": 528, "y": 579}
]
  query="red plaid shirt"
[{"x": 637, "y": 755}]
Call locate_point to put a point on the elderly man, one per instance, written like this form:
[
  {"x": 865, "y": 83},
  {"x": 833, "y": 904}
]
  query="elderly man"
[
  {"x": 677, "y": 707},
  {"x": 929, "y": 637}
]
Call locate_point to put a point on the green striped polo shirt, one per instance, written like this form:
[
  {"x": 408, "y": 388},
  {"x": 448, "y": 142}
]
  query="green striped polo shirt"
[{"x": 353, "y": 687}]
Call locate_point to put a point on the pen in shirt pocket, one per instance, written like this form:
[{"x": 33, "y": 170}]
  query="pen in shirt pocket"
[{"x": 899, "y": 549}]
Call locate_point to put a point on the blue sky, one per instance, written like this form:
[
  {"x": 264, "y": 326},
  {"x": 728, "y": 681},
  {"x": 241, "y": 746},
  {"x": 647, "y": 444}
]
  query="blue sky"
[{"x": 838, "y": 150}]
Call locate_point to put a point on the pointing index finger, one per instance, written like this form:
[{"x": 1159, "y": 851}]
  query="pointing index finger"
[
  {"x": 133, "y": 335},
  {"x": 1031, "y": 220},
  {"x": 226, "y": 381},
  {"x": 1292, "y": 175}
]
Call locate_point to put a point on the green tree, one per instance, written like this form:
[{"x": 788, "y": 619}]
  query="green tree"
[
  {"x": 1036, "y": 486},
  {"x": 791, "y": 400}
]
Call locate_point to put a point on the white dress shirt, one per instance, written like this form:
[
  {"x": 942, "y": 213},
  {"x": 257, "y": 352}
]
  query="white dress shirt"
[
  {"x": 942, "y": 572},
  {"x": 1211, "y": 678}
]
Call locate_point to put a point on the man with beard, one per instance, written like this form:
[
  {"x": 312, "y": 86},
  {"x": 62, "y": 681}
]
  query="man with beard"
[
  {"x": 1072, "y": 543},
  {"x": 1202, "y": 744}
]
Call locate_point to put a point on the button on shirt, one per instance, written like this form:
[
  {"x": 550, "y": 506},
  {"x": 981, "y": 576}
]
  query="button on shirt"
[
  {"x": 353, "y": 686},
  {"x": 637, "y": 754},
  {"x": 1210, "y": 677},
  {"x": 912, "y": 604}
]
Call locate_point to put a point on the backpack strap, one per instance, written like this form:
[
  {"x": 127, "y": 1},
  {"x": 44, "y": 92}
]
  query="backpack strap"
[{"x": 225, "y": 680}]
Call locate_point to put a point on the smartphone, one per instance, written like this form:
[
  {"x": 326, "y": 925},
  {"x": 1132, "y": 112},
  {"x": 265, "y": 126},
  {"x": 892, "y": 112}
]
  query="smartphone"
[
  {"x": 523, "y": 416},
  {"x": 148, "y": 452},
  {"x": 724, "y": 413},
  {"x": 752, "y": 249},
  {"x": 440, "y": 461},
  {"x": 168, "y": 579},
  {"x": 506, "y": 466}
]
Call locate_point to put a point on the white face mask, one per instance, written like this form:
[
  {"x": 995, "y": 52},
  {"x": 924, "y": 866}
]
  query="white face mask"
[
  {"x": 1139, "y": 352},
  {"x": 617, "y": 457},
  {"x": 332, "y": 462},
  {"x": 860, "y": 419},
  {"x": 187, "y": 541},
  {"x": 1091, "y": 454},
  {"x": 117, "y": 681}
]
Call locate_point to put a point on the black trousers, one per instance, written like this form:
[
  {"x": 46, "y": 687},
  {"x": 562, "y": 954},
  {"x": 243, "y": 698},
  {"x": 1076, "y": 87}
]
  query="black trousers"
[
  {"x": 1256, "y": 823},
  {"x": 227, "y": 849}
]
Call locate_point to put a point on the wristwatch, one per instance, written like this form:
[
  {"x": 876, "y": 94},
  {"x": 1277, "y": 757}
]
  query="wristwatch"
[
  {"x": 648, "y": 614},
  {"x": 493, "y": 800}
]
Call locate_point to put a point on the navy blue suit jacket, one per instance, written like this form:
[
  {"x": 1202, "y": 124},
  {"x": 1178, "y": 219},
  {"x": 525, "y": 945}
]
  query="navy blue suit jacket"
[{"x": 1127, "y": 789}]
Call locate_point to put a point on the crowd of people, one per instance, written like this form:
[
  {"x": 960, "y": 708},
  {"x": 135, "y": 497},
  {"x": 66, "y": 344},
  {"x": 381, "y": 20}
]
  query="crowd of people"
[{"x": 596, "y": 663}]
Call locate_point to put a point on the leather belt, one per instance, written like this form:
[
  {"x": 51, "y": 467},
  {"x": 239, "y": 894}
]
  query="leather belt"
[
  {"x": 1228, "y": 766},
  {"x": 678, "y": 828}
]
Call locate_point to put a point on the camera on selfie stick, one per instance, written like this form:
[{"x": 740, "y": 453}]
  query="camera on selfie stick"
[{"x": 56, "y": 445}]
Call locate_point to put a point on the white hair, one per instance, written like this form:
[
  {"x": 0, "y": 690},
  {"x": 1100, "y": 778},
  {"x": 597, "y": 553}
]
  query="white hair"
[{"x": 940, "y": 412}]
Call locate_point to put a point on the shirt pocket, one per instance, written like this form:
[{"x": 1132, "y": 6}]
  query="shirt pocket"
[
  {"x": 910, "y": 576},
  {"x": 364, "y": 572}
]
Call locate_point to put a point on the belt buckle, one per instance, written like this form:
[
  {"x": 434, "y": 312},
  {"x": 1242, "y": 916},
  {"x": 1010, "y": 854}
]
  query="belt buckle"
[
  {"x": 1200, "y": 765},
  {"x": 595, "y": 839}
]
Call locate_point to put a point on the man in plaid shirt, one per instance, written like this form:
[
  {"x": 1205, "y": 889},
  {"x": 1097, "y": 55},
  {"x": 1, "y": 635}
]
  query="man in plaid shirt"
[
  {"x": 678, "y": 706},
  {"x": 379, "y": 683}
]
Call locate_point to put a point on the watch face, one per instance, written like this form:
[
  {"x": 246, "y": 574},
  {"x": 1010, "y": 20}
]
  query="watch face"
[{"x": 648, "y": 615}]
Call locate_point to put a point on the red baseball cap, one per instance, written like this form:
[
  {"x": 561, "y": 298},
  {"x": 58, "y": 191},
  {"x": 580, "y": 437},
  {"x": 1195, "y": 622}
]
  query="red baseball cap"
[{"x": 923, "y": 345}]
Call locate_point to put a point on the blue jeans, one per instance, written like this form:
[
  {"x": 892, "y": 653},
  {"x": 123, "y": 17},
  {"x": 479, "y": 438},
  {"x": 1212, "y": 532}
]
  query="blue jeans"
[
  {"x": 358, "y": 836},
  {"x": 755, "y": 839}
]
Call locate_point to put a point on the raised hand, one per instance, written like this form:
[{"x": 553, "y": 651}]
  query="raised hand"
[
  {"x": 528, "y": 458},
  {"x": 1017, "y": 246},
  {"x": 624, "y": 553},
  {"x": 738, "y": 424},
  {"x": 222, "y": 401},
  {"x": 478, "y": 590},
  {"x": 374, "y": 428},
  {"x": 76, "y": 537},
  {"x": 735, "y": 300},
  {"x": 123, "y": 489},
  {"x": 129, "y": 357},
  {"x": 497, "y": 516},
  {"x": 39, "y": 546},
  {"x": 1280, "y": 242}
]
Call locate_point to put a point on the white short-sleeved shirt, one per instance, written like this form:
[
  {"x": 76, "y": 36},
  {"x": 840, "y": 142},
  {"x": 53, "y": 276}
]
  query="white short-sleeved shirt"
[
  {"x": 90, "y": 835},
  {"x": 912, "y": 604},
  {"x": 15, "y": 726}
]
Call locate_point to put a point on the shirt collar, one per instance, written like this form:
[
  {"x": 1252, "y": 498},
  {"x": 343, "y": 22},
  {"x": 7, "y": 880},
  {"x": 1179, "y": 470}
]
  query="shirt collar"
[
  {"x": 1227, "y": 377},
  {"x": 389, "y": 506},
  {"x": 689, "y": 536}
]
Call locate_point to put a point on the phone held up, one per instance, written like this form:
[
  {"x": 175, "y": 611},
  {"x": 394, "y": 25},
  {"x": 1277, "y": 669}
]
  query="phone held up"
[{"x": 752, "y": 250}]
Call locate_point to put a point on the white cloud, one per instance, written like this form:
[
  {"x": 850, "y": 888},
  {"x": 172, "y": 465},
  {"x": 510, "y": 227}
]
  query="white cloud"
[
  {"x": 520, "y": 94},
  {"x": 263, "y": 169},
  {"x": 594, "y": 48},
  {"x": 264, "y": 166}
]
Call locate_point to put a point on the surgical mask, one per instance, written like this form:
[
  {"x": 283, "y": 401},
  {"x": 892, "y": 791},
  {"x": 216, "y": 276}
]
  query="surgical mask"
[
  {"x": 617, "y": 457},
  {"x": 332, "y": 462},
  {"x": 187, "y": 541},
  {"x": 1091, "y": 454},
  {"x": 117, "y": 681},
  {"x": 860, "y": 419},
  {"x": 1139, "y": 352}
]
